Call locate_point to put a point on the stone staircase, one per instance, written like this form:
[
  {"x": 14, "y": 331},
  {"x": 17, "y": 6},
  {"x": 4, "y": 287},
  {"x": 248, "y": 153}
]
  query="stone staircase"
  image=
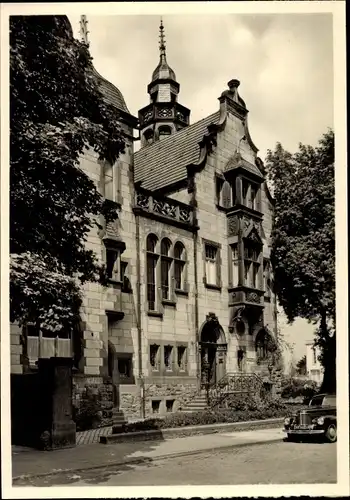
[
  {"x": 198, "y": 403},
  {"x": 232, "y": 384}
]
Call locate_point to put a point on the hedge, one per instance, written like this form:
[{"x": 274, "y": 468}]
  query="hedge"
[{"x": 252, "y": 411}]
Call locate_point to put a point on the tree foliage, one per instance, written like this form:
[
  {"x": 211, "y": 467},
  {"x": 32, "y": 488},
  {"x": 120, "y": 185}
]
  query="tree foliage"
[
  {"x": 56, "y": 113},
  {"x": 301, "y": 366},
  {"x": 303, "y": 247}
]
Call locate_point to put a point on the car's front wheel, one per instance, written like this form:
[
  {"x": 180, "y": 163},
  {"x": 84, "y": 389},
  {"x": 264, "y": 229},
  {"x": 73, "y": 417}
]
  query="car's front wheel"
[{"x": 331, "y": 433}]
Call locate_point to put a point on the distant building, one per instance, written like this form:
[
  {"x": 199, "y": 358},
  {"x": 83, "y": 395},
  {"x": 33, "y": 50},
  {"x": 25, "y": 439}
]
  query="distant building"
[{"x": 314, "y": 369}]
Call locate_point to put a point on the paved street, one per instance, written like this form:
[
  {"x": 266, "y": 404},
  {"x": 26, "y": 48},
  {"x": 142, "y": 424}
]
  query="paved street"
[{"x": 267, "y": 463}]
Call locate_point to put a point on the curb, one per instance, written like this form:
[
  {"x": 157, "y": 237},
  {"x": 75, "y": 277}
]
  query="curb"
[
  {"x": 142, "y": 460},
  {"x": 188, "y": 431}
]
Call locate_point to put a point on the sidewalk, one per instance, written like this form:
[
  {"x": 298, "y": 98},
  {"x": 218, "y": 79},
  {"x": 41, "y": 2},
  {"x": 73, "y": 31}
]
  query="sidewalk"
[{"x": 28, "y": 462}]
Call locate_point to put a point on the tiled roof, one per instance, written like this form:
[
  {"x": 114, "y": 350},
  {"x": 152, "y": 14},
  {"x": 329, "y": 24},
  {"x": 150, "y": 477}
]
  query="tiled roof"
[
  {"x": 164, "y": 162},
  {"x": 237, "y": 161},
  {"x": 111, "y": 93}
]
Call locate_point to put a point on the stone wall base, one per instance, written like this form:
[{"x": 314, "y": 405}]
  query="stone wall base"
[
  {"x": 160, "y": 399},
  {"x": 93, "y": 402}
]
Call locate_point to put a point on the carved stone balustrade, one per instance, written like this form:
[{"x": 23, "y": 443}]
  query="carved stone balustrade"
[{"x": 164, "y": 209}]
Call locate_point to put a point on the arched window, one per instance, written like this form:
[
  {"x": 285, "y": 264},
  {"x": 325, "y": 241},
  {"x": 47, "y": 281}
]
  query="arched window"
[
  {"x": 165, "y": 267},
  {"x": 179, "y": 266},
  {"x": 164, "y": 132},
  {"x": 261, "y": 345},
  {"x": 152, "y": 259},
  {"x": 148, "y": 136}
]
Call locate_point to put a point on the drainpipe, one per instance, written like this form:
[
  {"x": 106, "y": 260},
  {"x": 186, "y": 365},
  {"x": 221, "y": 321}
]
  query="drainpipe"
[
  {"x": 193, "y": 202},
  {"x": 139, "y": 329}
]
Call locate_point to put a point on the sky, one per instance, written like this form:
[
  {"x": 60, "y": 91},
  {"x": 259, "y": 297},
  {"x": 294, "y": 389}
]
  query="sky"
[{"x": 283, "y": 61}]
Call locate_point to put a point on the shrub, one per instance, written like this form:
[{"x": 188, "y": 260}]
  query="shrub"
[
  {"x": 249, "y": 409},
  {"x": 87, "y": 415},
  {"x": 293, "y": 388}
]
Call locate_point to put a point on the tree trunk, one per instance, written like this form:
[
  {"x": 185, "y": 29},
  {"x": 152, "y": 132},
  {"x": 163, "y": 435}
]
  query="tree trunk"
[{"x": 329, "y": 383}]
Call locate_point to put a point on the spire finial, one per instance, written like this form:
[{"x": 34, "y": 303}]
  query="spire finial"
[
  {"x": 83, "y": 29},
  {"x": 161, "y": 38}
]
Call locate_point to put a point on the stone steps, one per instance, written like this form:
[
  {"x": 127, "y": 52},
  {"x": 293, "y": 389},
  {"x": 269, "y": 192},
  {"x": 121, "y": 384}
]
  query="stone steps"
[{"x": 199, "y": 403}]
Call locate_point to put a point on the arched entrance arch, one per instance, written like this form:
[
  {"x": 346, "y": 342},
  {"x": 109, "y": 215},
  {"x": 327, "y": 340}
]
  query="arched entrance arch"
[{"x": 213, "y": 347}]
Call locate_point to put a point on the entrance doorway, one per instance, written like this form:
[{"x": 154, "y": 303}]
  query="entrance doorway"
[{"x": 213, "y": 352}]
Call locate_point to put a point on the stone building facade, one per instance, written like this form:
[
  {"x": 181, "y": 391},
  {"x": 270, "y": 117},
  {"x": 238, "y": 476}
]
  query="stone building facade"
[{"x": 189, "y": 298}]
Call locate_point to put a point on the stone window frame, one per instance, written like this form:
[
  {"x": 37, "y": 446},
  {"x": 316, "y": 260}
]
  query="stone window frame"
[
  {"x": 166, "y": 270},
  {"x": 152, "y": 298},
  {"x": 182, "y": 264},
  {"x": 217, "y": 246},
  {"x": 220, "y": 184},
  {"x": 115, "y": 181},
  {"x": 156, "y": 368},
  {"x": 156, "y": 400},
  {"x": 247, "y": 185},
  {"x": 164, "y": 131},
  {"x": 184, "y": 358},
  {"x": 161, "y": 370},
  {"x": 170, "y": 367},
  {"x": 234, "y": 260},
  {"x": 251, "y": 263},
  {"x": 113, "y": 268},
  {"x": 160, "y": 258}
]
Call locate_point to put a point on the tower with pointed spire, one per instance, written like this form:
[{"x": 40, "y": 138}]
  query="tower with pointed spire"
[{"x": 164, "y": 115}]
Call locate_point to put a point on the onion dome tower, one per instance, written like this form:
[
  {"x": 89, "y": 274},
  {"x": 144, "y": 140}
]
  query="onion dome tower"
[{"x": 164, "y": 115}]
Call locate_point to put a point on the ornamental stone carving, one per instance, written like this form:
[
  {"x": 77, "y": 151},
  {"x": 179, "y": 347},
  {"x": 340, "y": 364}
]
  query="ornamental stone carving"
[
  {"x": 232, "y": 223},
  {"x": 165, "y": 207},
  {"x": 245, "y": 223},
  {"x": 253, "y": 297}
]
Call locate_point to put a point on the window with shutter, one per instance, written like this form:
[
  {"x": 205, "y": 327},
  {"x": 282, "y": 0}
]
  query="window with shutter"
[{"x": 226, "y": 195}]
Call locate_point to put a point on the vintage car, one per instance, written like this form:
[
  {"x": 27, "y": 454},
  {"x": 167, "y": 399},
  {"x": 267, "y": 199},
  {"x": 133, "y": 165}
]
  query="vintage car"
[{"x": 320, "y": 418}]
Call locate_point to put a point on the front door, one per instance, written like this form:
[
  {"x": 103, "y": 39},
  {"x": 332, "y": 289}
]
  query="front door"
[{"x": 208, "y": 364}]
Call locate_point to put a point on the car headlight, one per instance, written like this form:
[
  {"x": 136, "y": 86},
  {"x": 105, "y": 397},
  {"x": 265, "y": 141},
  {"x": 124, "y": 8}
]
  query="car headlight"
[
  {"x": 287, "y": 421},
  {"x": 320, "y": 420}
]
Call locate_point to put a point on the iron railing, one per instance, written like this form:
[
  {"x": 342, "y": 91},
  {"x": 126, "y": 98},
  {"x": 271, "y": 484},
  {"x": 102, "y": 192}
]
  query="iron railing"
[{"x": 234, "y": 384}]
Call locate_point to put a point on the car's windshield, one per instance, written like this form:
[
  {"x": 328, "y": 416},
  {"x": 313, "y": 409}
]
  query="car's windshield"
[
  {"x": 316, "y": 401},
  {"x": 329, "y": 401}
]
